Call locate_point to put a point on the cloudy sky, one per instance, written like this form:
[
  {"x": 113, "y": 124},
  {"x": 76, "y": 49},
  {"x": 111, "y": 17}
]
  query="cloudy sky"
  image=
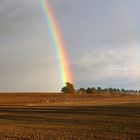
[{"x": 102, "y": 39}]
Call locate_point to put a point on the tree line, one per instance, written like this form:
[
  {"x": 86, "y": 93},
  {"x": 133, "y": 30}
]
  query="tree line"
[{"x": 69, "y": 88}]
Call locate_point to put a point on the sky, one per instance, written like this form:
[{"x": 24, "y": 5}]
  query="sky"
[{"x": 101, "y": 37}]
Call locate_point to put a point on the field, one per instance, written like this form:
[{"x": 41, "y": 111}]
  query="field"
[{"x": 69, "y": 117}]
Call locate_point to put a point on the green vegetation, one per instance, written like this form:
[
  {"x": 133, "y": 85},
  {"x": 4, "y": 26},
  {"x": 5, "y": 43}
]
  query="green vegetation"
[
  {"x": 105, "y": 90},
  {"x": 69, "y": 88}
]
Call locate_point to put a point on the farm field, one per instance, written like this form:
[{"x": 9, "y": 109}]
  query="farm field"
[{"x": 72, "y": 121}]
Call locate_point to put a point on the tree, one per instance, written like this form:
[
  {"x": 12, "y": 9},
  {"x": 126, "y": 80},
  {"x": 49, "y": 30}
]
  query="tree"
[
  {"x": 81, "y": 90},
  {"x": 99, "y": 89},
  {"x": 118, "y": 90},
  {"x": 94, "y": 90},
  {"x": 89, "y": 90},
  {"x": 110, "y": 90},
  {"x": 123, "y": 90},
  {"x": 68, "y": 88},
  {"x": 106, "y": 90}
]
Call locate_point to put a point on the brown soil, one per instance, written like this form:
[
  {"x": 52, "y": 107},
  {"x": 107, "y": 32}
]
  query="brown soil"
[{"x": 69, "y": 117}]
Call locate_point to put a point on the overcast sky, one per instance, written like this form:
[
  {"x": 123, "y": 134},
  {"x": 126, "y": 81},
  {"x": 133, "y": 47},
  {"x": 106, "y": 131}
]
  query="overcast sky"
[{"x": 102, "y": 39}]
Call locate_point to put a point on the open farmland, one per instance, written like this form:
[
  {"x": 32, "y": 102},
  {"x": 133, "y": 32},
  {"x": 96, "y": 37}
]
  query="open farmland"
[
  {"x": 74, "y": 117},
  {"x": 43, "y": 99}
]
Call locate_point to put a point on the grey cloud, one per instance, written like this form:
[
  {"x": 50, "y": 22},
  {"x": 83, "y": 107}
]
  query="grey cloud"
[
  {"x": 104, "y": 68},
  {"x": 97, "y": 41}
]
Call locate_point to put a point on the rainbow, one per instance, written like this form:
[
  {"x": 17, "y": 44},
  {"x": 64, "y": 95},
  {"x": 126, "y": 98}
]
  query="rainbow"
[{"x": 57, "y": 41}]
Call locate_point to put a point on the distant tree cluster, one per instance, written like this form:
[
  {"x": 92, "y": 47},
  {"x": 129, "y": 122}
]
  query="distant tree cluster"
[
  {"x": 69, "y": 88},
  {"x": 99, "y": 90}
]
